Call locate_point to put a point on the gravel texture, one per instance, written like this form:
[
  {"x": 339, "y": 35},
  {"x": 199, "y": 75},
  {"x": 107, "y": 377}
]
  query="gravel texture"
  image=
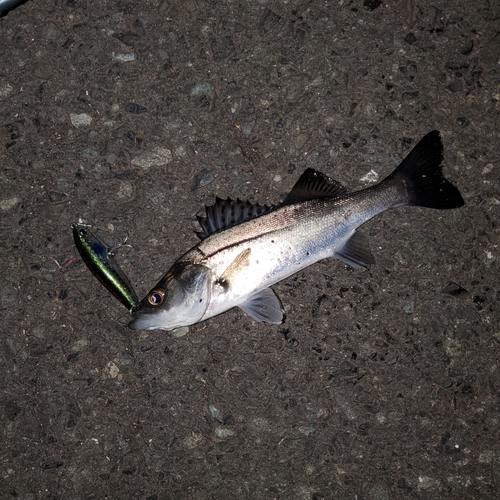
[{"x": 131, "y": 116}]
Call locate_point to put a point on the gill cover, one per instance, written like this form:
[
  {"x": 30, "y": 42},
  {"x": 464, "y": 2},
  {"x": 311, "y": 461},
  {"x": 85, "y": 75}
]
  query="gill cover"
[{"x": 181, "y": 298}]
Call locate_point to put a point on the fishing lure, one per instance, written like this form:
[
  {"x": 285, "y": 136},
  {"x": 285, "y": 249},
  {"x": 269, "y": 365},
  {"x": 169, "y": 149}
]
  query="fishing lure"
[{"x": 100, "y": 261}]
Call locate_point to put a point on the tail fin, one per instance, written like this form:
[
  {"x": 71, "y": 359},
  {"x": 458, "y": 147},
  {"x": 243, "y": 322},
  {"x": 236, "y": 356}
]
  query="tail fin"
[{"x": 423, "y": 178}]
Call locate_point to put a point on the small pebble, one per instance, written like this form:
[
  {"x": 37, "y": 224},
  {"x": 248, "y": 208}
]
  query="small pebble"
[
  {"x": 201, "y": 88},
  {"x": 454, "y": 289},
  {"x": 56, "y": 197},
  {"x": 9, "y": 203},
  {"x": 134, "y": 108},
  {"x": 379, "y": 493},
  {"x": 157, "y": 157},
  {"x": 180, "y": 332},
  {"x": 123, "y": 57},
  {"x": 216, "y": 414},
  {"x": 308, "y": 430},
  {"x": 80, "y": 120},
  {"x": 247, "y": 127},
  {"x": 409, "y": 308},
  {"x": 372, "y": 4},
  {"x": 11, "y": 409},
  {"x": 5, "y": 90},
  {"x": 204, "y": 178},
  {"x": 370, "y": 177},
  {"x": 410, "y": 38},
  {"x": 146, "y": 346},
  {"x": 222, "y": 432}
]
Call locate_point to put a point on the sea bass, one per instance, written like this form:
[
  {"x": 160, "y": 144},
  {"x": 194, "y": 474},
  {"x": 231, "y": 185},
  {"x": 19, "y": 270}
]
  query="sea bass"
[{"x": 245, "y": 248}]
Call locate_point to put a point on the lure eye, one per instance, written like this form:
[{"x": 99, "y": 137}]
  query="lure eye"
[{"x": 156, "y": 297}]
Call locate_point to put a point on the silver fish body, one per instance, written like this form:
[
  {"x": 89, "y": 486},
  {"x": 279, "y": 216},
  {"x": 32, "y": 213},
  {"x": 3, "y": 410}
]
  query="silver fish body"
[{"x": 241, "y": 256}]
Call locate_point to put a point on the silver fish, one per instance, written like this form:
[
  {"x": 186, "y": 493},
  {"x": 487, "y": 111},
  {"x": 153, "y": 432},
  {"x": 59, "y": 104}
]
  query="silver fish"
[{"x": 246, "y": 248}]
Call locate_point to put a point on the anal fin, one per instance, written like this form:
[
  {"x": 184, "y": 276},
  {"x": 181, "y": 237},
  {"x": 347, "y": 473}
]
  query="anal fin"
[
  {"x": 264, "y": 306},
  {"x": 356, "y": 252}
]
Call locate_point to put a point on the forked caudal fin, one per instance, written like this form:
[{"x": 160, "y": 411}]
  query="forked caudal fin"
[{"x": 421, "y": 173}]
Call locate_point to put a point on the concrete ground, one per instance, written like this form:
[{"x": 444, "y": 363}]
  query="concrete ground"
[{"x": 131, "y": 116}]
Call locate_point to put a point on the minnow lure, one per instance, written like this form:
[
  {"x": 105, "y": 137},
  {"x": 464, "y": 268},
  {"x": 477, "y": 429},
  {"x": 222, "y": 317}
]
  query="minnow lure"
[{"x": 100, "y": 261}]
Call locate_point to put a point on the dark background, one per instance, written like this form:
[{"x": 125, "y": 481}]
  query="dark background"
[{"x": 131, "y": 115}]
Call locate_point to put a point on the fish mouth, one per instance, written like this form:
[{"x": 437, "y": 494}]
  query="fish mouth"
[
  {"x": 141, "y": 320},
  {"x": 150, "y": 322},
  {"x": 143, "y": 323},
  {"x": 135, "y": 324}
]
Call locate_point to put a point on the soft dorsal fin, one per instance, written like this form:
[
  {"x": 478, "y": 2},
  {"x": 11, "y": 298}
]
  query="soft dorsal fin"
[
  {"x": 228, "y": 213},
  {"x": 312, "y": 185}
]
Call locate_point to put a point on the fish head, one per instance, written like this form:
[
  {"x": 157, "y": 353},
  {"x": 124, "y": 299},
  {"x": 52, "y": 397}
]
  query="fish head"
[{"x": 181, "y": 298}]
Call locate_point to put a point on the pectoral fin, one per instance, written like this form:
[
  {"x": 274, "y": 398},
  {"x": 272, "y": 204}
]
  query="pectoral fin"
[
  {"x": 241, "y": 261},
  {"x": 264, "y": 306},
  {"x": 356, "y": 252}
]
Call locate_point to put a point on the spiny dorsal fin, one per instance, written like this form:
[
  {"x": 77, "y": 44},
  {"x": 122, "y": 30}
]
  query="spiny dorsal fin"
[
  {"x": 224, "y": 214},
  {"x": 312, "y": 185},
  {"x": 227, "y": 213}
]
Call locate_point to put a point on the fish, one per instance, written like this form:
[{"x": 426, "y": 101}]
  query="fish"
[
  {"x": 246, "y": 248},
  {"x": 100, "y": 261}
]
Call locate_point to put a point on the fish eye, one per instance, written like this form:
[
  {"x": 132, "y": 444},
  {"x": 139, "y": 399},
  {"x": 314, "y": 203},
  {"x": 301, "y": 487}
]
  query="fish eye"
[{"x": 156, "y": 297}]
